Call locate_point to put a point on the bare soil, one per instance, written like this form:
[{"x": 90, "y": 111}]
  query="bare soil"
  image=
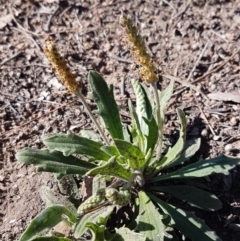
[{"x": 197, "y": 41}]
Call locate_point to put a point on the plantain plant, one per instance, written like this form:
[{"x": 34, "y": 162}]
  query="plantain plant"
[{"x": 127, "y": 164}]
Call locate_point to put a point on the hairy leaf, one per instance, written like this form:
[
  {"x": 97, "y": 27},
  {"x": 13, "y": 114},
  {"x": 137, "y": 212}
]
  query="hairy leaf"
[
  {"x": 96, "y": 230},
  {"x": 164, "y": 97},
  {"x": 112, "y": 168},
  {"x": 221, "y": 164},
  {"x": 149, "y": 219},
  {"x": 178, "y": 147},
  {"x": 131, "y": 153},
  {"x": 151, "y": 137},
  {"x": 136, "y": 132},
  {"x": 186, "y": 222},
  {"x": 47, "y": 219},
  {"x": 91, "y": 135},
  {"x": 110, "y": 150},
  {"x": 190, "y": 148},
  {"x": 144, "y": 111},
  {"x": 70, "y": 144},
  {"x": 107, "y": 107},
  {"x": 93, "y": 217},
  {"x": 51, "y": 239},
  {"x": 143, "y": 105},
  {"x": 196, "y": 197},
  {"x": 51, "y": 198},
  {"x": 54, "y": 161},
  {"x": 123, "y": 234}
]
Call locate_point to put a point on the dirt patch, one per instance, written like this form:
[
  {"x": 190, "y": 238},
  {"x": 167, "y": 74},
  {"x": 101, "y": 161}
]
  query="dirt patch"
[{"x": 196, "y": 41}]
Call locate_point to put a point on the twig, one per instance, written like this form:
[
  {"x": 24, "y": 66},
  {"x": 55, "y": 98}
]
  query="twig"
[
  {"x": 29, "y": 122},
  {"x": 196, "y": 63},
  {"x": 181, "y": 12},
  {"x": 47, "y": 26},
  {"x": 10, "y": 58},
  {"x": 7, "y": 94},
  {"x": 26, "y": 65},
  {"x": 28, "y": 36},
  {"x": 185, "y": 84},
  {"x": 221, "y": 37},
  {"x": 170, "y": 5},
  {"x": 19, "y": 25},
  {"x": 120, "y": 59},
  {"x": 204, "y": 117},
  {"x": 202, "y": 77},
  {"x": 217, "y": 68}
]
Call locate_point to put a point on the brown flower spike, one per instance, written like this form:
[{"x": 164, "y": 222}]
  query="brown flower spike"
[
  {"x": 138, "y": 49},
  {"x": 59, "y": 65}
]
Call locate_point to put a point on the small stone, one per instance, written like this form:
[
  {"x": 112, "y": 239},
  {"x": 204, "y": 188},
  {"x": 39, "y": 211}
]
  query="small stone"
[
  {"x": 204, "y": 133},
  {"x": 2, "y": 178},
  {"x": 12, "y": 221},
  {"x": 104, "y": 70},
  {"x": 101, "y": 54},
  {"x": 213, "y": 87},
  {"x": 228, "y": 147},
  {"x": 234, "y": 121},
  {"x": 216, "y": 138}
]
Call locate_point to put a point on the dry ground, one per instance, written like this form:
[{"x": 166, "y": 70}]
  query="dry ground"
[{"x": 198, "y": 41}]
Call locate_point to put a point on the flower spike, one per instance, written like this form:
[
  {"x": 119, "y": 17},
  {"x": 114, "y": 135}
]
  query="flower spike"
[
  {"x": 59, "y": 65},
  {"x": 138, "y": 49}
]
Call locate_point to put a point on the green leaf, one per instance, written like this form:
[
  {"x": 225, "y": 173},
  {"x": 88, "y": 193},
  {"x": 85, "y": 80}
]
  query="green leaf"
[
  {"x": 50, "y": 199},
  {"x": 107, "y": 107},
  {"x": 98, "y": 182},
  {"x": 221, "y": 164},
  {"x": 151, "y": 137},
  {"x": 143, "y": 112},
  {"x": 136, "y": 132},
  {"x": 97, "y": 231},
  {"x": 131, "y": 153},
  {"x": 149, "y": 219},
  {"x": 186, "y": 222},
  {"x": 93, "y": 217},
  {"x": 190, "y": 148},
  {"x": 91, "y": 135},
  {"x": 47, "y": 219},
  {"x": 123, "y": 234},
  {"x": 68, "y": 186},
  {"x": 164, "y": 97},
  {"x": 126, "y": 132},
  {"x": 112, "y": 168},
  {"x": 178, "y": 147},
  {"x": 53, "y": 161},
  {"x": 98, "y": 228},
  {"x": 196, "y": 197},
  {"x": 70, "y": 144},
  {"x": 143, "y": 105},
  {"x": 51, "y": 239},
  {"x": 110, "y": 150}
]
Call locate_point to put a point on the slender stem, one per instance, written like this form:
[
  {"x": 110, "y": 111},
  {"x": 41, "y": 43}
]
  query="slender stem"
[
  {"x": 158, "y": 113},
  {"x": 79, "y": 94}
]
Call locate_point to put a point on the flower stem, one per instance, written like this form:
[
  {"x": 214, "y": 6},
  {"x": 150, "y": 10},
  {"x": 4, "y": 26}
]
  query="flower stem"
[
  {"x": 158, "y": 113},
  {"x": 79, "y": 94}
]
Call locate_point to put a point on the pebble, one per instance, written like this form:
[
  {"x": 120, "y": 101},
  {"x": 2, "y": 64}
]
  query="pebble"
[
  {"x": 12, "y": 221},
  {"x": 2, "y": 178},
  {"x": 216, "y": 138},
  {"x": 234, "y": 121},
  {"x": 228, "y": 147},
  {"x": 204, "y": 133},
  {"x": 213, "y": 87}
]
